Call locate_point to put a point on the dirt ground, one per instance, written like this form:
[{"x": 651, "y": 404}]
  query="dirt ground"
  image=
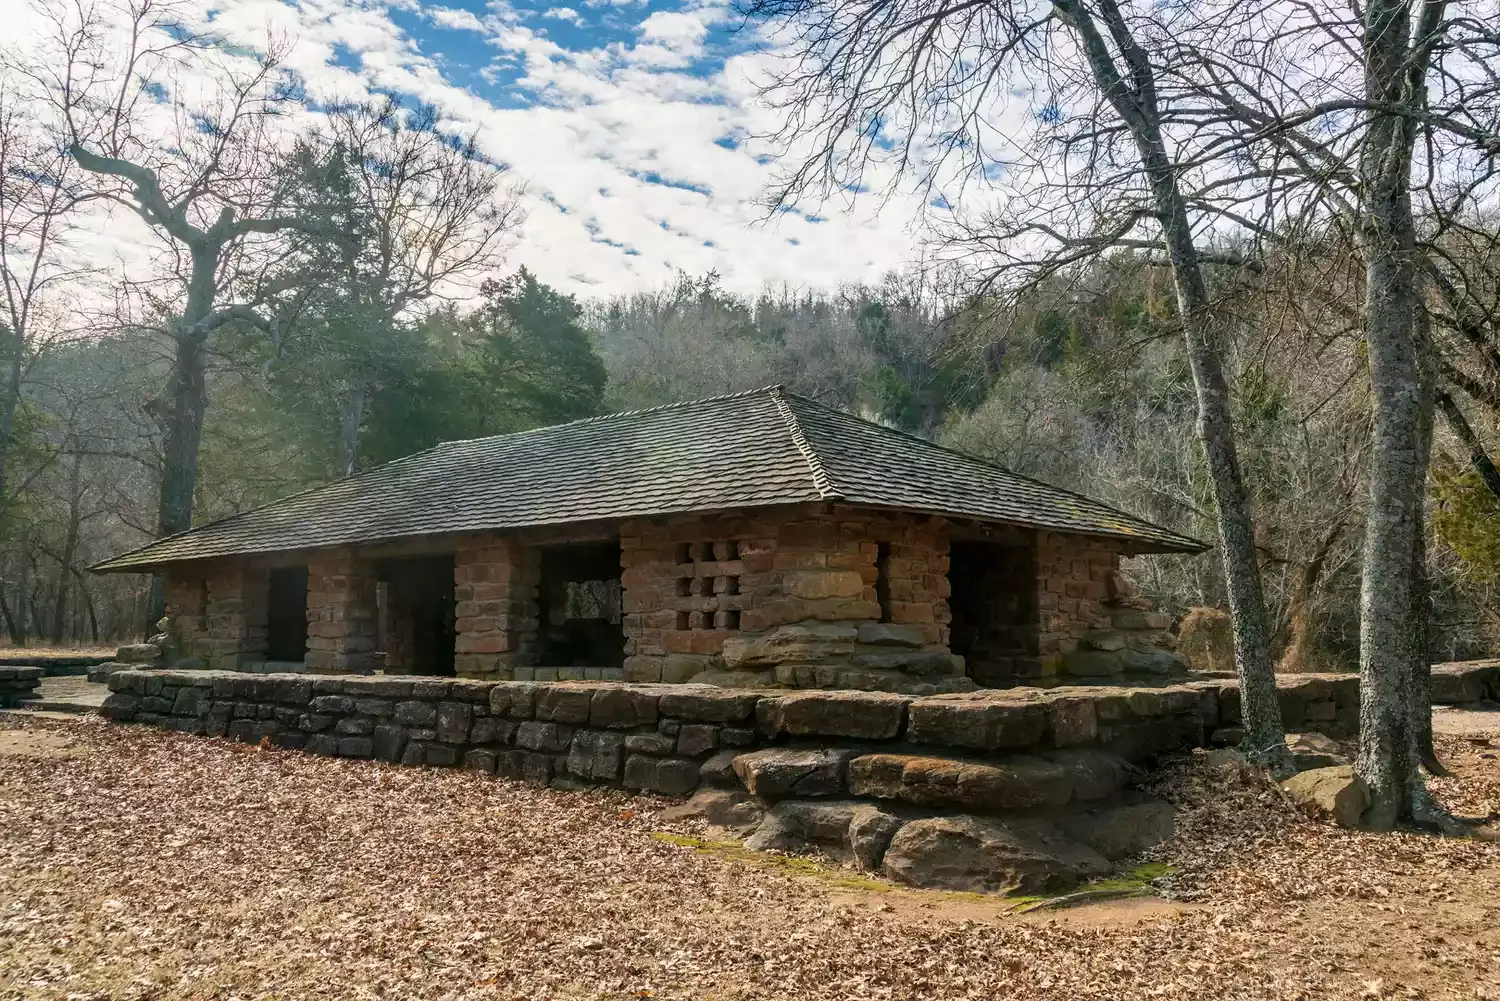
[{"x": 143, "y": 864}]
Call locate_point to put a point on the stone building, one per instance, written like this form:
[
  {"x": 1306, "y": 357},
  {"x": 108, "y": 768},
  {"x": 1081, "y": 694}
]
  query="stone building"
[{"x": 752, "y": 540}]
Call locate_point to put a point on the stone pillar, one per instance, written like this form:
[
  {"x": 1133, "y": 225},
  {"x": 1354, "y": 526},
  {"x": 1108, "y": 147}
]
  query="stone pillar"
[
  {"x": 495, "y": 581},
  {"x": 186, "y": 599},
  {"x": 234, "y": 620},
  {"x": 341, "y": 611}
]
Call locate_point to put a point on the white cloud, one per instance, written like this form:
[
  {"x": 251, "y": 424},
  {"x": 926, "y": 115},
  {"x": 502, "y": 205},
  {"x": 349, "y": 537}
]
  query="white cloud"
[
  {"x": 619, "y": 148},
  {"x": 454, "y": 17},
  {"x": 565, "y": 14}
]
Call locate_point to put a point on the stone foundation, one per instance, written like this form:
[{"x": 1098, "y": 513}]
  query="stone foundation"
[{"x": 1019, "y": 790}]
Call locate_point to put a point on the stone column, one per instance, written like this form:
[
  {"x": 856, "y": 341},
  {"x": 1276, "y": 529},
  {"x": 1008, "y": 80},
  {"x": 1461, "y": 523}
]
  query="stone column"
[
  {"x": 234, "y": 620},
  {"x": 341, "y": 610},
  {"x": 495, "y": 581}
]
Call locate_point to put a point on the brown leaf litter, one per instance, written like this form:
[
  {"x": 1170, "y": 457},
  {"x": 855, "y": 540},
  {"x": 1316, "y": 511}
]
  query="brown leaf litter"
[{"x": 157, "y": 865}]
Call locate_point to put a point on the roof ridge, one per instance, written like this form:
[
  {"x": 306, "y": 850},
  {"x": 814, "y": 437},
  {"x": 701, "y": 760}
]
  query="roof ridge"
[
  {"x": 1094, "y": 501},
  {"x": 822, "y": 482},
  {"x": 600, "y": 418}
]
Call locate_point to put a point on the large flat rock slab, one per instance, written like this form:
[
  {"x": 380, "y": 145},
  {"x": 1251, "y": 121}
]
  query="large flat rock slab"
[
  {"x": 989, "y": 856},
  {"x": 1021, "y": 782}
]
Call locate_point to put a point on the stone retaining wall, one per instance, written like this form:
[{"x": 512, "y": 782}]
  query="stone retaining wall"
[
  {"x": 660, "y": 737},
  {"x": 17, "y": 684}
]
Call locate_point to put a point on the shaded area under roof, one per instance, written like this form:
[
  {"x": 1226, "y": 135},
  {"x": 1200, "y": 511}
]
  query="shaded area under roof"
[{"x": 746, "y": 450}]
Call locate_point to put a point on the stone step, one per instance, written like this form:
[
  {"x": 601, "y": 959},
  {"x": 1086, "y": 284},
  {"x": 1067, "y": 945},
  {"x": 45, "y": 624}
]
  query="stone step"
[
  {"x": 78, "y": 706},
  {"x": 1021, "y": 782}
]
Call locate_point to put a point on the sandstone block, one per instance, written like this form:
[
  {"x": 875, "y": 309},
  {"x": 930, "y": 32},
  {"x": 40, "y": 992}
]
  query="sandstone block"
[
  {"x": 718, "y": 771},
  {"x": 352, "y": 726},
  {"x": 563, "y": 704},
  {"x": 1018, "y": 783},
  {"x": 862, "y": 715},
  {"x": 1072, "y": 721},
  {"x": 799, "y": 643},
  {"x": 138, "y": 653},
  {"x": 189, "y": 701},
  {"x": 669, "y": 776},
  {"x": 453, "y": 722},
  {"x": 356, "y": 747},
  {"x": 1313, "y": 750},
  {"x": 890, "y": 634},
  {"x": 514, "y": 699},
  {"x": 388, "y": 742},
  {"x": 480, "y": 761},
  {"x": 694, "y": 739},
  {"x": 815, "y": 584},
  {"x": 727, "y": 808},
  {"x": 785, "y": 771},
  {"x": 988, "y": 856},
  {"x": 983, "y": 723},
  {"x": 332, "y": 704},
  {"x": 596, "y": 754},
  {"x": 391, "y": 688},
  {"x": 489, "y": 730},
  {"x": 1104, "y": 639},
  {"x": 413, "y": 713},
  {"x": 659, "y": 744},
  {"x": 870, "y": 831},
  {"x": 548, "y": 737},
  {"x": 374, "y": 707},
  {"x": 293, "y": 691},
  {"x": 623, "y": 707},
  {"x": 1336, "y": 791},
  {"x": 120, "y": 706}
]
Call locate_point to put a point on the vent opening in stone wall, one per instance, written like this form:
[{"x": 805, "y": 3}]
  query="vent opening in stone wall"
[
  {"x": 995, "y": 625},
  {"x": 416, "y": 614},
  {"x": 578, "y": 600},
  {"x": 708, "y": 591},
  {"x": 286, "y": 615}
]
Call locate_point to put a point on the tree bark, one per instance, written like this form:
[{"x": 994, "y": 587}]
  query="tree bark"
[
  {"x": 353, "y": 417},
  {"x": 69, "y": 551},
  {"x": 8, "y": 406},
  {"x": 12, "y": 627},
  {"x": 1392, "y": 601},
  {"x": 1134, "y": 97}
]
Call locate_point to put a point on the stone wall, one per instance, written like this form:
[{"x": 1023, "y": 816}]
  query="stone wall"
[
  {"x": 840, "y": 597},
  {"x": 816, "y": 596},
  {"x": 18, "y": 683},
  {"x": 218, "y": 613}
]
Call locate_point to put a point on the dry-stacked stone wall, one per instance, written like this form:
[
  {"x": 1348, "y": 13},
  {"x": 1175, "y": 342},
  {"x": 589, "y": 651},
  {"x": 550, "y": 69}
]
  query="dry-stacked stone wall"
[{"x": 18, "y": 683}]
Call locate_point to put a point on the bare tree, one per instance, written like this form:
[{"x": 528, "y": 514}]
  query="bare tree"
[
  {"x": 918, "y": 87},
  {"x": 124, "y": 81},
  {"x": 37, "y": 190}
]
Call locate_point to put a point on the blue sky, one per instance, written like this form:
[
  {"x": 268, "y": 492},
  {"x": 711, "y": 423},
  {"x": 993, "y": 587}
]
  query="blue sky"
[{"x": 630, "y": 124}]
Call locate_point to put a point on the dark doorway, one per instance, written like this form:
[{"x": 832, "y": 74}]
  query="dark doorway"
[
  {"x": 995, "y": 624},
  {"x": 415, "y": 596},
  {"x": 579, "y": 604},
  {"x": 286, "y": 614}
]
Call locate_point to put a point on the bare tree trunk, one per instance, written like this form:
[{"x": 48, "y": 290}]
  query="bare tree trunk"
[
  {"x": 69, "y": 550},
  {"x": 1135, "y": 100},
  {"x": 353, "y": 417},
  {"x": 1391, "y": 600},
  {"x": 12, "y": 627},
  {"x": 8, "y": 404},
  {"x": 1299, "y": 644},
  {"x": 1478, "y": 457}
]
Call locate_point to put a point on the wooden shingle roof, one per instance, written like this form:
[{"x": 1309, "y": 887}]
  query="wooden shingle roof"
[{"x": 744, "y": 450}]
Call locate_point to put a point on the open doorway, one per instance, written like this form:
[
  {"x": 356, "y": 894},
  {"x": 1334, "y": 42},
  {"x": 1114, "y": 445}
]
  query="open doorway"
[
  {"x": 415, "y": 602},
  {"x": 579, "y": 604},
  {"x": 286, "y": 615},
  {"x": 995, "y": 623}
]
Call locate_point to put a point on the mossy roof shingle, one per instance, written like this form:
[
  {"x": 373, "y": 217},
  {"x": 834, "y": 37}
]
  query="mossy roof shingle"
[{"x": 745, "y": 450}]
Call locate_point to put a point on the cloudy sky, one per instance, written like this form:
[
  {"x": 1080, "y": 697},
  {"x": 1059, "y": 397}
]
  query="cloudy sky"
[{"x": 631, "y": 123}]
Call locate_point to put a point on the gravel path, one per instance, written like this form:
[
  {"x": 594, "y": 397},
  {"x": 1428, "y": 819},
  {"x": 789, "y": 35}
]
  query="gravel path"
[{"x": 143, "y": 864}]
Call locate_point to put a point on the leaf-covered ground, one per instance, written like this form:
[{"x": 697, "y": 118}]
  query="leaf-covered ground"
[{"x": 141, "y": 864}]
